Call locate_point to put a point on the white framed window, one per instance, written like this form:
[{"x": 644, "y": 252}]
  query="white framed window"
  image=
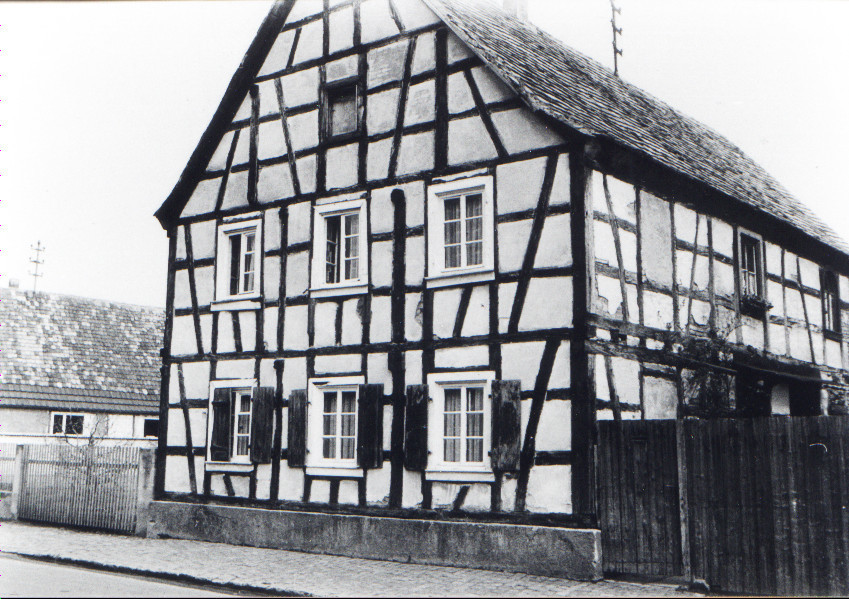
[
  {"x": 229, "y": 421},
  {"x": 66, "y": 424},
  {"x": 461, "y": 231},
  {"x": 238, "y": 260},
  {"x": 751, "y": 265},
  {"x": 332, "y": 424},
  {"x": 340, "y": 259},
  {"x": 460, "y": 426}
]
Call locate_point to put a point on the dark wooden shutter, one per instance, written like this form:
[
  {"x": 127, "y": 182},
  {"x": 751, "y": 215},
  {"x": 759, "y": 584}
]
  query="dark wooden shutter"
[
  {"x": 262, "y": 424},
  {"x": 297, "y": 451},
  {"x": 370, "y": 427},
  {"x": 415, "y": 428},
  {"x": 221, "y": 441},
  {"x": 506, "y": 425}
]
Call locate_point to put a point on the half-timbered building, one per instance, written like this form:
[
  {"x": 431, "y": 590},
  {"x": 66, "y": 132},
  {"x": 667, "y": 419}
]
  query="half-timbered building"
[{"x": 423, "y": 247}]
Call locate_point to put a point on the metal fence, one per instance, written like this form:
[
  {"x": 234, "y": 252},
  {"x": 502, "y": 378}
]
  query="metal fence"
[
  {"x": 7, "y": 466},
  {"x": 89, "y": 486}
]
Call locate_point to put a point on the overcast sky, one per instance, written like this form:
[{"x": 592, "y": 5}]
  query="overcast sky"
[{"x": 102, "y": 103}]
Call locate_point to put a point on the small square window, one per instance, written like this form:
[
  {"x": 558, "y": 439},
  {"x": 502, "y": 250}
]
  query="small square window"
[
  {"x": 342, "y": 111},
  {"x": 151, "y": 427},
  {"x": 239, "y": 260},
  {"x": 339, "y": 250},
  {"x": 67, "y": 424}
]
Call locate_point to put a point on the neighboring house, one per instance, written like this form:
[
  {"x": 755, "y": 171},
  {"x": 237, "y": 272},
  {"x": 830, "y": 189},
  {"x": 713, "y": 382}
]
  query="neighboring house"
[
  {"x": 78, "y": 370},
  {"x": 398, "y": 259}
]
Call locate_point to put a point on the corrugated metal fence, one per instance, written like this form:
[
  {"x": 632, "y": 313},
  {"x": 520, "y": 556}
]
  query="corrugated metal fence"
[
  {"x": 89, "y": 486},
  {"x": 7, "y": 466}
]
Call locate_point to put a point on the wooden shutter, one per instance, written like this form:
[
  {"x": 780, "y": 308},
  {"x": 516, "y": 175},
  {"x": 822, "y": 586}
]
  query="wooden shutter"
[
  {"x": 262, "y": 424},
  {"x": 415, "y": 428},
  {"x": 506, "y": 425},
  {"x": 370, "y": 427},
  {"x": 221, "y": 441},
  {"x": 297, "y": 451}
]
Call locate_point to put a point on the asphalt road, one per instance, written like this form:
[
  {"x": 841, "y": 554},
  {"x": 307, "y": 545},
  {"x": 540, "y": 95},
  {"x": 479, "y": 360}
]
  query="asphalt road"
[{"x": 22, "y": 577}]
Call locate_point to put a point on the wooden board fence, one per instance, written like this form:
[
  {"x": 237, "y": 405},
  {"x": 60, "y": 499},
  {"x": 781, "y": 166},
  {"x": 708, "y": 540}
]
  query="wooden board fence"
[
  {"x": 7, "y": 465},
  {"x": 93, "y": 487}
]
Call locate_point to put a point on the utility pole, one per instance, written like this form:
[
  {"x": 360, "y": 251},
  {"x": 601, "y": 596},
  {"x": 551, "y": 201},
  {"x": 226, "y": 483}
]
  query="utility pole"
[
  {"x": 617, "y": 31},
  {"x": 38, "y": 248}
]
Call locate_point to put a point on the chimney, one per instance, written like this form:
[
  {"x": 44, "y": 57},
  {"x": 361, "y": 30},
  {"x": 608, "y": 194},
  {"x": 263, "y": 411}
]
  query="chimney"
[{"x": 517, "y": 8}]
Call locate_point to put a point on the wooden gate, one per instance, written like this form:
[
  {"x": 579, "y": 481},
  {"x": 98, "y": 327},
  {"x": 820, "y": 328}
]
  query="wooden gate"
[
  {"x": 638, "y": 498},
  {"x": 93, "y": 487}
]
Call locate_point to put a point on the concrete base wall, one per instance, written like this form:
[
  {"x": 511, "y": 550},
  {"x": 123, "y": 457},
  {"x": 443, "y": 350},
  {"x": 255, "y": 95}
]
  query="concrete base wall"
[
  {"x": 6, "y": 506},
  {"x": 561, "y": 552}
]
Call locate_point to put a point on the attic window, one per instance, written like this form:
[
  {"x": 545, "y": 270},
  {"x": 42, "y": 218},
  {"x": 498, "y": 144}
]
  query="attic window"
[
  {"x": 830, "y": 302},
  {"x": 239, "y": 261},
  {"x": 341, "y": 110}
]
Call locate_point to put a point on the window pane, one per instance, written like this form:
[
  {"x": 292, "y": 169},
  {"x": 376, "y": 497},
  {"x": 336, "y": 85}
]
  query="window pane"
[
  {"x": 474, "y": 424},
  {"x": 474, "y": 450},
  {"x": 452, "y": 209},
  {"x": 244, "y": 402},
  {"x": 352, "y": 269},
  {"x": 347, "y": 452},
  {"x": 452, "y": 424},
  {"x": 349, "y": 401},
  {"x": 474, "y": 229},
  {"x": 74, "y": 425},
  {"x": 474, "y": 205},
  {"x": 352, "y": 224},
  {"x": 452, "y": 400},
  {"x": 452, "y": 256},
  {"x": 242, "y": 445},
  {"x": 332, "y": 249},
  {"x": 235, "y": 257},
  {"x": 452, "y": 450},
  {"x": 244, "y": 424},
  {"x": 329, "y": 424},
  {"x": 330, "y": 402},
  {"x": 343, "y": 113},
  {"x": 348, "y": 425},
  {"x": 474, "y": 253},
  {"x": 57, "y": 424},
  {"x": 328, "y": 449},
  {"x": 474, "y": 399}
]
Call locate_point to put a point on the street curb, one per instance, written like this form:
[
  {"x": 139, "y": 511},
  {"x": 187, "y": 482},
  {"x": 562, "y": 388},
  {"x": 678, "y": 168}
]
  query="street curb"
[{"x": 168, "y": 576}]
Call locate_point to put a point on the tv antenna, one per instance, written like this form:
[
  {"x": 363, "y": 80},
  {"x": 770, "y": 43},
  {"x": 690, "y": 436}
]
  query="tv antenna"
[
  {"x": 617, "y": 31},
  {"x": 38, "y": 248}
]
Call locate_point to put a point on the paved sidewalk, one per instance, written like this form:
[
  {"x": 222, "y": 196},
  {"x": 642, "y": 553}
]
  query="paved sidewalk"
[{"x": 289, "y": 572}]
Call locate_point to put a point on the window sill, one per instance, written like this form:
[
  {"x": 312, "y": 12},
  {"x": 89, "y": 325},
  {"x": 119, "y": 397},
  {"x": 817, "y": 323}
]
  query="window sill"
[
  {"x": 229, "y": 467},
  {"x": 448, "y": 279},
  {"x": 320, "y": 292},
  {"x": 832, "y": 335},
  {"x": 335, "y": 471},
  {"x": 235, "y": 304},
  {"x": 460, "y": 476}
]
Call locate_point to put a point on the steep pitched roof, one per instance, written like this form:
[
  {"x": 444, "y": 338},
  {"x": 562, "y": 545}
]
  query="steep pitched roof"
[
  {"x": 585, "y": 95},
  {"x": 66, "y": 352}
]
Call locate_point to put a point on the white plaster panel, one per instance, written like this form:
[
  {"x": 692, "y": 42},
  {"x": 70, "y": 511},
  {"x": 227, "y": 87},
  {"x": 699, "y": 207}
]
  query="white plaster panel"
[
  {"x": 445, "y": 304},
  {"x": 378, "y": 374},
  {"x": 219, "y": 157},
  {"x": 386, "y": 63},
  {"x": 421, "y": 103},
  {"x": 377, "y": 489},
  {"x": 794, "y": 305},
  {"x": 274, "y": 183},
  {"x": 519, "y": 185},
  {"x": 660, "y": 398},
  {"x": 325, "y": 323},
  {"x": 269, "y": 329},
  {"x": 244, "y": 111},
  {"x": 492, "y": 88},
  {"x": 723, "y": 278},
  {"x": 550, "y": 489},
  {"x": 300, "y": 88},
  {"x": 271, "y": 278},
  {"x": 173, "y": 388},
  {"x": 295, "y": 328},
  {"x": 457, "y": 50},
  {"x": 506, "y": 293},
  {"x": 699, "y": 311},
  {"x": 560, "y": 192},
  {"x": 203, "y": 239},
  {"x": 602, "y": 389},
  {"x": 605, "y": 248},
  {"x": 299, "y": 223},
  {"x": 270, "y": 140},
  {"x": 263, "y": 481},
  {"x": 520, "y": 131},
  {"x": 342, "y": 69},
  {"x": 206, "y": 331},
  {"x": 310, "y": 43},
  {"x": 235, "y": 369},
  {"x": 412, "y": 317},
  {"x": 382, "y": 210},
  {"x": 348, "y": 492},
  {"x": 554, "y": 432},
  {"x": 753, "y": 332},
  {"x": 459, "y": 95},
  {"x": 773, "y": 258},
  {"x": 513, "y": 244},
  {"x": 685, "y": 223},
  {"x": 777, "y": 340},
  {"x": 176, "y": 474},
  {"x": 790, "y": 270},
  {"x": 819, "y": 347},
  {"x": 458, "y": 357},
  {"x": 341, "y": 29},
  {"x": 303, "y": 131},
  {"x": 195, "y": 379},
  {"x": 628, "y": 242},
  {"x": 181, "y": 243},
  {"x": 415, "y": 14},
  {"x": 380, "y": 330},
  {"x": 413, "y": 367},
  {"x": 477, "y": 316},
  {"x": 242, "y": 153},
  {"x": 382, "y": 113},
  {"x": 814, "y": 310},
  {"x": 656, "y": 243},
  {"x": 560, "y": 375},
  {"x": 657, "y": 310},
  {"x": 520, "y": 361},
  {"x": 183, "y": 336},
  {"x": 297, "y": 271},
  {"x": 416, "y": 153},
  {"x": 177, "y": 429},
  {"x": 623, "y": 197},
  {"x": 810, "y": 273},
  {"x": 377, "y": 160},
  {"x": 477, "y": 498},
  {"x": 247, "y": 326},
  {"x": 609, "y": 295},
  {"x": 303, "y": 9},
  {"x": 415, "y": 258},
  {"x": 774, "y": 295},
  {"x": 469, "y": 141},
  {"x": 337, "y": 364},
  {"x": 294, "y": 376},
  {"x": 236, "y": 194},
  {"x": 548, "y": 304},
  {"x": 424, "y": 57},
  {"x": 182, "y": 292},
  {"x": 268, "y": 103},
  {"x": 203, "y": 198},
  {"x": 271, "y": 229},
  {"x": 832, "y": 354},
  {"x": 381, "y": 263},
  {"x": 376, "y": 21},
  {"x": 626, "y": 375},
  {"x": 844, "y": 287},
  {"x": 320, "y": 491},
  {"x": 352, "y": 324},
  {"x": 723, "y": 238},
  {"x": 278, "y": 56}
]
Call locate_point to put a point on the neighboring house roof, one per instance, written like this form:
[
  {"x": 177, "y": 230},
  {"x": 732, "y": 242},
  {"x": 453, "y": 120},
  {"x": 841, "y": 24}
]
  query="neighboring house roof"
[
  {"x": 567, "y": 86},
  {"x": 73, "y": 353}
]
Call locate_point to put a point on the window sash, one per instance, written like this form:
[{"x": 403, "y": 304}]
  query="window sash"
[
  {"x": 830, "y": 302},
  {"x": 339, "y": 424},
  {"x": 241, "y": 424},
  {"x": 342, "y": 106},
  {"x": 750, "y": 266},
  {"x": 463, "y": 424},
  {"x": 342, "y": 248},
  {"x": 463, "y": 230},
  {"x": 242, "y": 262},
  {"x": 67, "y": 424}
]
